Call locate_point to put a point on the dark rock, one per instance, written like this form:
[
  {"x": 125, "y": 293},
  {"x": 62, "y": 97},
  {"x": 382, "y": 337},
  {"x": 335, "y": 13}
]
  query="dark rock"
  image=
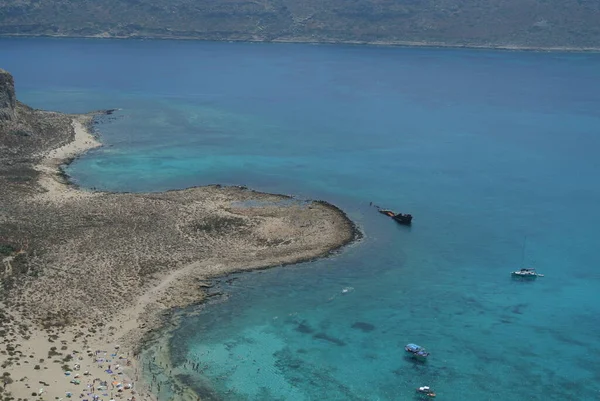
[
  {"x": 304, "y": 328},
  {"x": 326, "y": 337},
  {"x": 364, "y": 327},
  {"x": 8, "y": 101}
]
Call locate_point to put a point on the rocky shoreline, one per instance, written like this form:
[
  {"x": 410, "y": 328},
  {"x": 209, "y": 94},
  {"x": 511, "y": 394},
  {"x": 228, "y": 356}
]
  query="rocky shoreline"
[
  {"x": 308, "y": 40},
  {"x": 96, "y": 271}
]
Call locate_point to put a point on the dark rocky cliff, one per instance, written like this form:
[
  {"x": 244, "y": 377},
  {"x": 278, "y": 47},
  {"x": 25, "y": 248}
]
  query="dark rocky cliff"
[
  {"x": 25, "y": 134},
  {"x": 8, "y": 101}
]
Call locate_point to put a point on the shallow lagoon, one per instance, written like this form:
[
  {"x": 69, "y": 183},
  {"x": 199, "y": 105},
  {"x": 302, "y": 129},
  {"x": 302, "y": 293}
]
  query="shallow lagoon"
[{"x": 483, "y": 148}]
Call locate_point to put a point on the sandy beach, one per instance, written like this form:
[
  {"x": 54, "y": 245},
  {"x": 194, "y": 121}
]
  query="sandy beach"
[
  {"x": 51, "y": 181},
  {"x": 82, "y": 361},
  {"x": 86, "y": 275}
]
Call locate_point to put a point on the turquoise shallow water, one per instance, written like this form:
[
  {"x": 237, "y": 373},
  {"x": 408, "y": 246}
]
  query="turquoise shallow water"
[{"x": 483, "y": 148}]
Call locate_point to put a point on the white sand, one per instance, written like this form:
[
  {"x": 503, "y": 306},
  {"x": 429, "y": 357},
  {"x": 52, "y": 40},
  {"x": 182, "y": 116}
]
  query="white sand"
[{"x": 50, "y": 180}]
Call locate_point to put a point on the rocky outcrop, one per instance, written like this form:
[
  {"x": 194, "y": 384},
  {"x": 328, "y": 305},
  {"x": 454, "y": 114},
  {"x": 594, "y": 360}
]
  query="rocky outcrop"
[{"x": 8, "y": 101}]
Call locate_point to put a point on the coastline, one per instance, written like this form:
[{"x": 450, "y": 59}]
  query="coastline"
[
  {"x": 53, "y": 180},
  {"x": 407, "y": 44},
  {"x": 91, "y": 336}
]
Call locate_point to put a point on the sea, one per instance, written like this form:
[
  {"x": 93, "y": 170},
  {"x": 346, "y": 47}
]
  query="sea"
[{"x": 496, "y": 154}]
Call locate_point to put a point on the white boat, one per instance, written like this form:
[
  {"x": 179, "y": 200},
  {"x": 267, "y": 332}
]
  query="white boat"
[
  {"x": 426, "y": 391},
  {"x": 526, "y": 273}
]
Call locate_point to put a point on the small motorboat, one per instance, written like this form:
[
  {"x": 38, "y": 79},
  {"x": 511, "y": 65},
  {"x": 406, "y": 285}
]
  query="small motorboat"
[
  {"x": 416, "y": 351},
  {"x": 426, "y": 391},
  {"x": 526, "y": 273}
]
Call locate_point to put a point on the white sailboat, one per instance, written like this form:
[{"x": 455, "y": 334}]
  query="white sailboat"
[{"x": 525, "y": 272}]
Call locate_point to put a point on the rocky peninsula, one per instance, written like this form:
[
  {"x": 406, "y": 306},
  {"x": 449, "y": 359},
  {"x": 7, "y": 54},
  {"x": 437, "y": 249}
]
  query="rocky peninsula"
[{"x": 85, "y": 274}]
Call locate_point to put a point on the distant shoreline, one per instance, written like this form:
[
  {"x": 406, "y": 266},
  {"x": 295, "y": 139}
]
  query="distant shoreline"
[{"x": 405, "y": 44}]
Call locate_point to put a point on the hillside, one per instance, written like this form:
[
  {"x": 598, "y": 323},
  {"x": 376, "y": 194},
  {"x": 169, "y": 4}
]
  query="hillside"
[{"x": 488, "y": 23}]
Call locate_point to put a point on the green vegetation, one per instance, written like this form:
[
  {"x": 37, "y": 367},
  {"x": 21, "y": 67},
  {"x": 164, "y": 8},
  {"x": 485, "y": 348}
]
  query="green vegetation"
[
  {"x": 6, "y": 249},
  {"x": 52, "y": 352},
  {"x": 220, "y": 224},
  {"x": 534, "y": 23}
]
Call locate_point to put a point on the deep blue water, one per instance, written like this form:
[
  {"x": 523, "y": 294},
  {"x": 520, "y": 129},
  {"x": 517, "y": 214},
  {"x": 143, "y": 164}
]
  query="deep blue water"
[{"x": 484, "y": 148}]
